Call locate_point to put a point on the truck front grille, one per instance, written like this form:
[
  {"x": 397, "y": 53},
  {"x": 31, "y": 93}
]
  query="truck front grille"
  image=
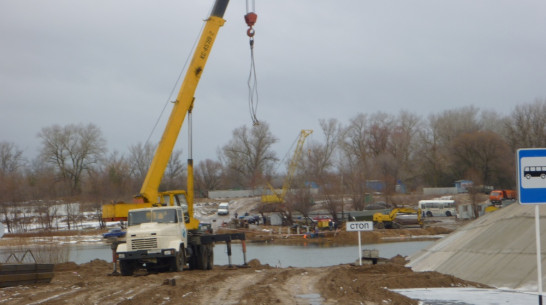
[{"x": 144, "y": 243}]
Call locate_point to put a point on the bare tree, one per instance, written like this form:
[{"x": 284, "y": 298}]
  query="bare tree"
[
  {"x": 387, "y": 168},
  {"x": 493, "y": 121},
  {"x": 354, "y": 180},
  {"x": 301, "y": 200},
  {"x": 332, "y": 192},
  {"x": 114, "y": 181},
  {"x": 140, "y": 158},
  {"x": 434, "y": 141},
  {"x": 355, "y": 164},
  {"x": 41, "y": 179},
  {"x": 486, "y": 155},
  {"x": 47, "y": 212},
  {"x": 175, "y": 173},
  {"x": 526, "y": 126},
  {"x": 451, "y": 123},
  {"x": 12, "y": 184},
  {"x": 320, "y": 157},
  {"x": 248, "y": 156},
  {"x": 208, "y": 176},
  {"x": 403, "y": 146},
  {"x": 11, "y": 158},
  {"x": 379, "y": 133},
  {"x": 72, "y": 149}
]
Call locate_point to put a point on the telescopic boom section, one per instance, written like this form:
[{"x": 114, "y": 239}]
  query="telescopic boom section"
[{"x": 149, "y": 190}]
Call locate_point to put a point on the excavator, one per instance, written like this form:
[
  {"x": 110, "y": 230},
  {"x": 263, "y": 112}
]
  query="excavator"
[
  {"x": 276, "y": 197},
  {"x": 398, "y": 218}
]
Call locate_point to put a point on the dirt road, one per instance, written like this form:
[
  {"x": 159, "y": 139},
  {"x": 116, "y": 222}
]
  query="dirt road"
[{"x": 257, "y": 284}]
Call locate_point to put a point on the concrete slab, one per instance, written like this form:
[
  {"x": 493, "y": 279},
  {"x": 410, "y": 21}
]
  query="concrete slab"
[{"x": 498, "y": 249}]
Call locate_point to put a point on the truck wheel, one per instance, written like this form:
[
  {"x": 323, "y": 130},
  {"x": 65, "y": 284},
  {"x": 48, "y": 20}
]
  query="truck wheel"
[
  {"x": 201, "y": 257},
  {"x": 448, "y": 214},
  {"x": 210, "y": 260},
  {"x": 194, "y": 258},
  {"x": 127, "y": 268},
  {"x": 179, "y": 261}
]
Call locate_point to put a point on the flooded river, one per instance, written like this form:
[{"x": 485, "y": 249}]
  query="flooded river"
[{"x": 310, "y": 255}]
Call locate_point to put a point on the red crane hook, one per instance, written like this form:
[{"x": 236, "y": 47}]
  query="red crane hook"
[{"x": 250, "y": 19}]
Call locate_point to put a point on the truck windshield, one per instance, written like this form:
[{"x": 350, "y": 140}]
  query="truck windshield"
[{"x": 159, "y": 216}]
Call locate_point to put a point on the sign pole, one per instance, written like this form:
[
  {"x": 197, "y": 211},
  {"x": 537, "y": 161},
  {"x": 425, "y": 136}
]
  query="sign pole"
[
  {"x": 359, "y": 249},
  {"x": 352, "y": 226},
  {"x": 539, "y": 256},
  {"x": 531, "y": 174}
]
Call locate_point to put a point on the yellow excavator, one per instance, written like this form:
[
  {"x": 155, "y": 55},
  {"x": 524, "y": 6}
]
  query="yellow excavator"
[
  {"x": 276, "y": 197},
  {"x": 398, "y": 218}
]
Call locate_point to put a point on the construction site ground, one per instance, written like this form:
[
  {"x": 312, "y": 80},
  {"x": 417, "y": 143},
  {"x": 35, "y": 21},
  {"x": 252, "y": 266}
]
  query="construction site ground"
[
  {"x": 257, "y": 283},
  {"x": 92, "y": 283}
]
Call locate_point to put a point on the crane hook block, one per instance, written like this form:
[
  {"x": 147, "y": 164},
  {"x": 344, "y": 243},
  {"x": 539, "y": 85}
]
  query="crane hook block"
[{"x": 250, "y": 19}]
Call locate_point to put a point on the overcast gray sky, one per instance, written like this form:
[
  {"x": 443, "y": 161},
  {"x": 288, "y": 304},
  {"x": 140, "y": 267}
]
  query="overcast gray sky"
[{"x": 113, "y": 63}]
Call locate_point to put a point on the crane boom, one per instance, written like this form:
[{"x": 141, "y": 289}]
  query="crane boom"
[
  {"x": 183, "y": 103},
  {"x": 275, "y": 197},
  {"x": 149, "y": 193}
]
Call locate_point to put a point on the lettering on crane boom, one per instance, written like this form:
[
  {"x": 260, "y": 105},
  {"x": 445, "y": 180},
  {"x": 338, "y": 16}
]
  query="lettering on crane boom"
[{"x": 359, "y": 226}]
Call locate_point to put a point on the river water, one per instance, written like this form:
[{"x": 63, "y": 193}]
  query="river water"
[{"x": 305, "y": 255}]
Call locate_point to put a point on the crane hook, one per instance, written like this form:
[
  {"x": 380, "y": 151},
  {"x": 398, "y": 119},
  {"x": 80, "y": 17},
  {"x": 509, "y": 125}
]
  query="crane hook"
[
  {"x": 250, "y": 19},
  {"x": 250, "y": 32}
]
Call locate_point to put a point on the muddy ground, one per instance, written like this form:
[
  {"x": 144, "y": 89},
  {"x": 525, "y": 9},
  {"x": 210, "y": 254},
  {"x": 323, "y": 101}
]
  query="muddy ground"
[{"x": 92, "y": 283}]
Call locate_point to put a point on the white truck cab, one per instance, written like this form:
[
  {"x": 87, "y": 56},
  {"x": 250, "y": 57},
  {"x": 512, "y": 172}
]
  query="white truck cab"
[{"x": 156, "y": 238}]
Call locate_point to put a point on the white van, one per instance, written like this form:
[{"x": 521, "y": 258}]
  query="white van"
[{"x": 223, "y": 208}]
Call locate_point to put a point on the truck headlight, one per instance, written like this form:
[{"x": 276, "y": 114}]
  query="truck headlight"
[
  {"x": 168, "y": 252},
  {"x": 121, "y": 255}
]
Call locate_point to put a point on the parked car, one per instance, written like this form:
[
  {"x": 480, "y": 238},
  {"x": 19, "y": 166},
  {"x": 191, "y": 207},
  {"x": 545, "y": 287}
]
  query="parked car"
[
  {"x": 252, "y": 218},
  {"x": 116, "y": 232},
  {"x": 223, "y": 208}
]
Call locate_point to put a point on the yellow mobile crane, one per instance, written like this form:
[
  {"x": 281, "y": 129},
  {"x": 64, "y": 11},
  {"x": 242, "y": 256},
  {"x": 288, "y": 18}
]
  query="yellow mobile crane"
[
  {"x": 149, "y": 195},
  {"x": 162, "y": 234},
  {"x": 275, "y": 197}
]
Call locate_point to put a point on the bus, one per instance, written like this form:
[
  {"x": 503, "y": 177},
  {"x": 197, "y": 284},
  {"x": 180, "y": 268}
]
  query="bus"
[
  {"x": 437, "y": 207},
  {"x": 534, "y": 171}
]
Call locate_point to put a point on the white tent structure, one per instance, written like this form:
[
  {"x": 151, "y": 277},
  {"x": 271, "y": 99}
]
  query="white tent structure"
[{"x": 497, "y": 249}]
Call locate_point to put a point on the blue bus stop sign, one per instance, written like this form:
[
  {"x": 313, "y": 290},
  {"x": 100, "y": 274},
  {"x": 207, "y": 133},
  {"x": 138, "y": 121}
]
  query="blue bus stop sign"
[{"x": 531, "y": 171}]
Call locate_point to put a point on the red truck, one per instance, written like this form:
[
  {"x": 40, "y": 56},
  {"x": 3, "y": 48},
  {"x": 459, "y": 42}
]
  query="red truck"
[{"x": 497, "y": 196}]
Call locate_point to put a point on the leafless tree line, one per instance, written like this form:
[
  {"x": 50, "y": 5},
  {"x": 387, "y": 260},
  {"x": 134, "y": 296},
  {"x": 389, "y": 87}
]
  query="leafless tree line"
[{"x": 399, "y": 150}]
